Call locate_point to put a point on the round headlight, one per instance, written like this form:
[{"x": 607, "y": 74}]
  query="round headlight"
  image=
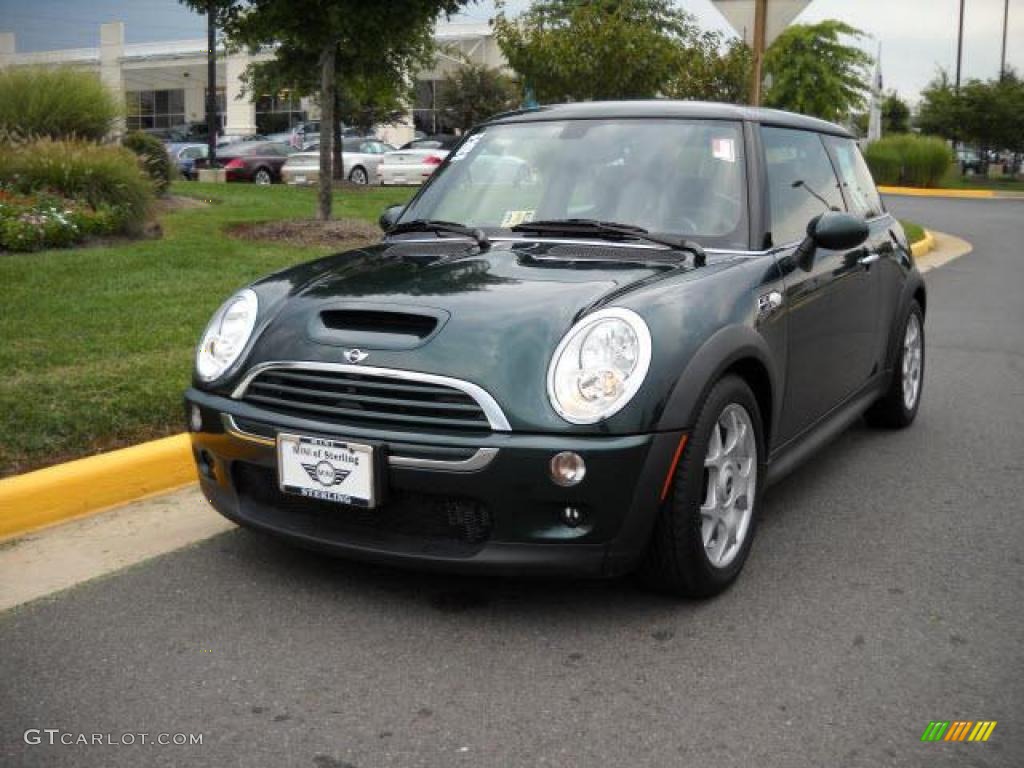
[
  {"x": 226, "y": 335},
  {"x": 599, "y": 365}
]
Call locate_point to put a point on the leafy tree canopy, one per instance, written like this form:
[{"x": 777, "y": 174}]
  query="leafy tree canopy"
[
  {"x": 473, "y": 93},
  {"x": 895, "y": 114},
  {"x": 569, "y": 50},
  {"x": 814, "y": 72},
  {"x": 988, "y": 114}
]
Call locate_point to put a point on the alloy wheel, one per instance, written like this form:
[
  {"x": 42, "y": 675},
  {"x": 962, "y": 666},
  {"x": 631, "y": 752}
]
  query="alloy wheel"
[
  {"x": 358, "y": 176},
  {"x": 262, "y": 177},
  {"x": 730, "y": 485},
  {"x": 912, "y": 354}
]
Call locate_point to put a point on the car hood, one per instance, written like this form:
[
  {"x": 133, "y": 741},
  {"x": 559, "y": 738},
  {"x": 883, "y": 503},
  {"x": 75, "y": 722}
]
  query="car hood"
[{"x": 490, "y": 317}]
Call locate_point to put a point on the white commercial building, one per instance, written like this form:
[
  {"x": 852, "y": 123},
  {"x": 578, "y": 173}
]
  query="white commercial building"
[{"x": 164, "y": 83}]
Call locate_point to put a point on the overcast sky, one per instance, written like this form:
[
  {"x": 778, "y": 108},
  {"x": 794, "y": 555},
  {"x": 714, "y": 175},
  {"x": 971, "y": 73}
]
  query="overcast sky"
[{"x": 917, "y": 36}]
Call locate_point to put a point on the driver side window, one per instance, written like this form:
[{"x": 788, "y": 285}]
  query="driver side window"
[{"x": 801, "y": 182}]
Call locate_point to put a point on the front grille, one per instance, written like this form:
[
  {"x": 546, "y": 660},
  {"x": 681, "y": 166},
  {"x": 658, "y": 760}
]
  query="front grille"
[
  {"x": 406, "y": 522},
  {"x": 348, "y": 398}
]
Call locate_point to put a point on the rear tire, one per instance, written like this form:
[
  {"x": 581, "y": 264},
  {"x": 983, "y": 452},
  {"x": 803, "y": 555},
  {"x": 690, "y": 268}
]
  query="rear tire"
[
  {"x": 358, "y": 175},
  {"x": 705, "y": 528},
  {"x": 897, "y": 408},
  {"x": 262, "y": 177}
]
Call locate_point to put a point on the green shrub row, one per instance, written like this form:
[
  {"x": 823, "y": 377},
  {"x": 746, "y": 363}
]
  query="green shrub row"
[
  {"x": 103, "y": 178},
  {"x": 55, "y": 102},
  {"x": 153, "y": 157},
  {"x": 908, "y": 160}
]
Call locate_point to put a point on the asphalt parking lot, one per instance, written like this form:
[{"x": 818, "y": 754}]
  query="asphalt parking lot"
[{"x": 884, "y": 591}]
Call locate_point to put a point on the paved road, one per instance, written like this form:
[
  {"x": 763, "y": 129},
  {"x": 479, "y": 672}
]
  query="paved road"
[{"x": 884, "y": 591}]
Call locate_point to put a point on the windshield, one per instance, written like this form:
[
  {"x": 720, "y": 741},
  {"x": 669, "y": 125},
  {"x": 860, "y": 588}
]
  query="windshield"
[{"x": 668, "y": 176}]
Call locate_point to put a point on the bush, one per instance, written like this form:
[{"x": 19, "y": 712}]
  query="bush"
[
  {"x": 153, "y": 157},
  {"x": 56, "y": 103},
  {"x": 104, "y": 178},
  {"x": 915, "y": 161}
]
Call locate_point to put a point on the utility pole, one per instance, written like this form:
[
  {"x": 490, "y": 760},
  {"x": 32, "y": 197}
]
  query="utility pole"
[
  {"x": 212, "y": 123},
  {"x": 960, "y": 46},
  {"x": 1006, "y": 20},
  {"x": 760, "y": 24}
]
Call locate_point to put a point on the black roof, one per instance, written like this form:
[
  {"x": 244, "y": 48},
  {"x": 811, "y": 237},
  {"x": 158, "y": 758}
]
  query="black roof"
[{"x": 703, "y": 110}]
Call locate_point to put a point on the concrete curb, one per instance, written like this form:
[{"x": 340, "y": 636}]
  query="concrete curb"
[
  {"x": 82, "y": 487},
  {"x": 920, "y": 192},
  {"x": 924, "y": 245},
  {"x": 945, "y": 249}
]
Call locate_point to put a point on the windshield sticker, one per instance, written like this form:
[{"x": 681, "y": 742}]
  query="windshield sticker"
[
  {"x": 723, "y": 149},
  {"x": 513, "y": 218},
  {"x": 467, "y": 147}
]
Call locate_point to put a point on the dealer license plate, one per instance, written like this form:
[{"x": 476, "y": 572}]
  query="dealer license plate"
[{"x": 328, "y": 470}]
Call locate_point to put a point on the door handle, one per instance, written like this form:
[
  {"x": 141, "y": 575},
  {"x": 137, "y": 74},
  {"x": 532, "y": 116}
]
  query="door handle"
[{"x": 869, "y": 258}]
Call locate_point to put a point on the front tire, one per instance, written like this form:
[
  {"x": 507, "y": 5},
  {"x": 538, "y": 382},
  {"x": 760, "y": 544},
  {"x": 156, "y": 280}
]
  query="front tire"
[
  {"x": 705, "y": 528},
  {"x": 263, "y": 178},
  {"x": 898, "y": 407},
  {"x": 358, "y": 176}
]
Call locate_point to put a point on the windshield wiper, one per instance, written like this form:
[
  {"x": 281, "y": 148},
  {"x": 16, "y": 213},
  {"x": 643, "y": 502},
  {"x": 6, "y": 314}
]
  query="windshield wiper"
[
  {"x": 436, "y": 225},
  {"x": 593, "y": 226}
]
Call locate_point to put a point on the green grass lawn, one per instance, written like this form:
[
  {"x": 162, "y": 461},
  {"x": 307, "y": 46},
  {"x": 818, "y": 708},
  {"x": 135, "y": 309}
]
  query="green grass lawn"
[
  {"x": 954, "y": 180},
  {"x": 914, "y": 231},
  {"x": 98, "y": 342}
]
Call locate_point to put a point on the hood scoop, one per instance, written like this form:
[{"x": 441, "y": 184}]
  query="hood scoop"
[{"x": 376, "y": 326}]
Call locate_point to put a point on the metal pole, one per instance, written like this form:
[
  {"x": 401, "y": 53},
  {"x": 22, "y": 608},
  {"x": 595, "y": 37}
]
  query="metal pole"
[
  {"x": 212, "y": 123},
  {"x": 760, "y": 21},
  {"x": 1006, "y": 19},
  {"x": 960, "y": 45}
]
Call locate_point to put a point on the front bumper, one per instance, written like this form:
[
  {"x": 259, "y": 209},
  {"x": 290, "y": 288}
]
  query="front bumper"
[{"x": 452, "y": 502}]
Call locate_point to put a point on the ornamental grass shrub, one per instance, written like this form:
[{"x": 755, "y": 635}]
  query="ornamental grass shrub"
[
  {"x": 99, "y": 176},
  {"x": 57, "y": 193},
  {"x": 153, "y": 158},
  {"x": 55, "y": 103},
  {"x": 909, "y": 160}
]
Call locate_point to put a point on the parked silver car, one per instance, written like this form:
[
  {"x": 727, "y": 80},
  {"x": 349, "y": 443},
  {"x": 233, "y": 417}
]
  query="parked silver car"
[{"x": 360, "y": 156}]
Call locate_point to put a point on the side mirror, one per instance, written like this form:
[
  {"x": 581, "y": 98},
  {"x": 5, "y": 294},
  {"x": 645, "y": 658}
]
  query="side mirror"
[
  {"x": 833, "y": 231},
  {"x": 389, "y": 218}
]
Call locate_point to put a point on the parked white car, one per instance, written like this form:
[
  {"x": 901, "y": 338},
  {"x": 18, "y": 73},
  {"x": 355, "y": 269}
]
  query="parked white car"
[
  {"x": 360, "y": 156},
  {"x": 414, "y": 162}
]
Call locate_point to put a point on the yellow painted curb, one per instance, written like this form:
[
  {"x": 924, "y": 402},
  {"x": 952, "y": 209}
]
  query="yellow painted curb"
[
  {"x": 81, "y": 487},
  {"x": 920, "y": 192},
  {"x": 924, "y": 245}
]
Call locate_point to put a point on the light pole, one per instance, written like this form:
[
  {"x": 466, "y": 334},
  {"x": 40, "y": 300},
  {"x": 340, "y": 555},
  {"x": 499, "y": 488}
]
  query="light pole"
[
  {"x": 1006, "y": 20},
  {"x": 760, "y": 24},
  {"x": 960, "y": 46},
  {"x": 211, "y": 86}
]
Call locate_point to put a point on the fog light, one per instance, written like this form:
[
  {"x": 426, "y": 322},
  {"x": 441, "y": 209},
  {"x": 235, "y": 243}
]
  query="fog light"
[
  {"x": 572, "y": 516},
  {"x": 567, "y": 468},
  {"x": 195, "y": 419}
]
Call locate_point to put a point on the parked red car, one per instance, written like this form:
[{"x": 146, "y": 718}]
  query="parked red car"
[{"x": 256, "y": 161}]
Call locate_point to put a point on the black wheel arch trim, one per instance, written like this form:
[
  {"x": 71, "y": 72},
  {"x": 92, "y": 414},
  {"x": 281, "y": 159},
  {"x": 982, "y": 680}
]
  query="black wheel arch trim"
[
  {"x": 732, "y": 347},
  {"x": 913, "y": 290}
]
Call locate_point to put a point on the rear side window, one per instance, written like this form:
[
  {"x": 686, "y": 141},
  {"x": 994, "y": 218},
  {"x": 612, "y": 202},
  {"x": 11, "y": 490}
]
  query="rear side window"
[
  {"x": 858, "y": 185},
  {"x": 801, "y": 181}
]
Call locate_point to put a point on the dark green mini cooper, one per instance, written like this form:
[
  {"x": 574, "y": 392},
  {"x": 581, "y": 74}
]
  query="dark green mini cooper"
[{"x": 586, "y": 346}]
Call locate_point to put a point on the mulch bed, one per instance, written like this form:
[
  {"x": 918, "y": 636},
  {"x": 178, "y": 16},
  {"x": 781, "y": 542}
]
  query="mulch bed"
[{"x": 309, "y": 232}]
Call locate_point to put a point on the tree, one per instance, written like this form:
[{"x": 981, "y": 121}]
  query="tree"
[
  {"x": 711, "y": 70},
  {"x": 338, "y": 35},
  {"x": 987, "y": 114},
  {"x": 895, "y": 114},
  {"x": 815, "y": 73},
  {"x": 574, "y": 50},
  {"x": 473, "y": 93}
]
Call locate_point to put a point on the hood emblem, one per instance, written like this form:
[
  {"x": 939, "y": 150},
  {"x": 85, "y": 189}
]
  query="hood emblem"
[{"x": 355, "y": 355}]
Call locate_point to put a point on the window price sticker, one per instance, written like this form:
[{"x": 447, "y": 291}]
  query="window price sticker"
[{"x": 724, "y": 149}]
